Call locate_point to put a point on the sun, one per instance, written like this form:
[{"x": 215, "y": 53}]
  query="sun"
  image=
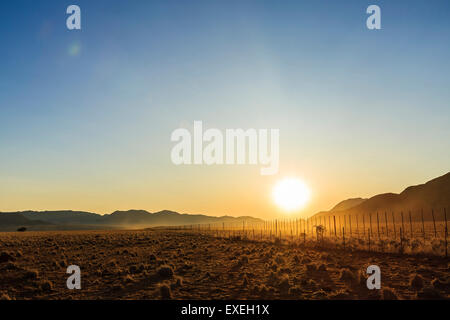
[{"x": 291, "y": 194}]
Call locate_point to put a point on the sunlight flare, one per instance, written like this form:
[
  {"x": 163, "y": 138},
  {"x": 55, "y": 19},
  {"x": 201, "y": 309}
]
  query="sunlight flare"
[{"x": 291, "y": 194}]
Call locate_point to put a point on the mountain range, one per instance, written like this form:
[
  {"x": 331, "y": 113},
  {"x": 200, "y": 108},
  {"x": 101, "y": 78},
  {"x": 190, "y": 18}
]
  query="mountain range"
[
  {"x": 432, "y": 195},
  {"x": 57, "y": 220}
]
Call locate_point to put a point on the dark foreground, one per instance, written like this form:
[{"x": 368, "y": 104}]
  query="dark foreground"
[{"x": 163, "y": 264}]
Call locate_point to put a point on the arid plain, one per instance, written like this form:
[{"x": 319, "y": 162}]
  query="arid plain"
[{"x": 170, "y": 264}]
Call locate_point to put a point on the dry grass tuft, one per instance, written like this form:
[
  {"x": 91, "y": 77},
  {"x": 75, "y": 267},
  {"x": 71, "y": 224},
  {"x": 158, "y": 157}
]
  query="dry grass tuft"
[
  {"x": 165, "y": 271},
  {"x": 416, "y": 282},
  {"x": 165, "y": 292},
  {"x": 389, "y": 294}
]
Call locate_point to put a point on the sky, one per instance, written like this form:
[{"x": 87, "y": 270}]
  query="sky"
[{"x": 86, "y": 115}]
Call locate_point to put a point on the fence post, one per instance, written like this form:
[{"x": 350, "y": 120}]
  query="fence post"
[
  {"x": 378, "y": 226},
  {"x": 401, "y": 240},
  {"x": 364, "y": 226},
  {"x": 393, "y": 223},
  {"x": 434, "y": 223},
  {"x": 343, "y": 235},
  {"x": 276, "y": 228},
  {"x": 334, "y": 219},
  {"x": 304, "y": 232},
  {"x": 357, "y": 227},
  {"x": 345, "y": 226},
  {"x": 368, "y": 233},
  {"x": 329, "y": 226},
  {"x": 423, "y": 225},
  {"x": 445, "y": 232},
  {"x": 350, "y": 224},
  {"x": 386, "y": 222},
  {"x": 410, "y": 224},
  {"x": 307, "y": 225},
  {"x": 370, "y": 223},
  {"x": 403, "y": 225}
]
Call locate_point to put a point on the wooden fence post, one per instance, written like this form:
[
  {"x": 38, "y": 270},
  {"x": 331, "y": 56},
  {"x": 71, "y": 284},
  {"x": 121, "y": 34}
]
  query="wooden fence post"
[
  {"x": 393, "y": 223},
  {"x": 403, "y": 225},
  {"x": 329, "y": 225},
  {"x": 378, "y": 226},
  {"x": 423, "y": 225},
  {"x": 357, "y": 227},
  {"x": 304, "y": 232},
  {"x": 434, "y": 223},
  {"x": 276, "y": 228},
  {"x": 343, "y": 236},
  {"x": 350, "y": 224},
  {"x": 345, "y": 226},
  {"x": 401, "y": 240},
  {"x": 386, "y": 222},
  {"x": 364, "y": 226},
  {"x": 445, "y": 232},
  {"x": 334, "y": 219},
  {"x": 410, "y": 224},
  {"x": 307, "y": 225}
]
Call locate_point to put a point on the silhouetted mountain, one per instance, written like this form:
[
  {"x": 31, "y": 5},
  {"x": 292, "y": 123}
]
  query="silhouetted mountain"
[
  {"x": 435, "y": 194},
  {"x": 347, "y": 204},
  {"x": 126, "y": 219},
  {"x": 64, "y": 217},
  {"x": 166, "y": 218},
  {"x": 16, "y": 219}
]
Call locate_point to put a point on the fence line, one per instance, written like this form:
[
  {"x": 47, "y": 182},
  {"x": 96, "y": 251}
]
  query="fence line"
[{"x": 425, "y": 235}]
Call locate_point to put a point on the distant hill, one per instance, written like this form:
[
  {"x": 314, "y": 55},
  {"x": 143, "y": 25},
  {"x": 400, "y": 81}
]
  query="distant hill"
[
  {"x": 348, "y": 204},
  {"x": 11, "y": 221},
  {"x": 435, "y": 194},
  {"x": 119, "y": 219},
  {"x": 64, "y": 217}
]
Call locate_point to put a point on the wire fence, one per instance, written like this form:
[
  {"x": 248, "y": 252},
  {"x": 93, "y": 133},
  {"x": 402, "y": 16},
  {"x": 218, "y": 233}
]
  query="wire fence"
[{"x": 402, "y": 232}]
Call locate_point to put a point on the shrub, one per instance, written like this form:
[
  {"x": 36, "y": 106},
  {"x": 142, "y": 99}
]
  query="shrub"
[
  {"x": 416, "y": 282},
  {"x": 322, "y": 268},
  {"x": 389, "y": 294},
  {"x": 284, "y": 286},
  {"x": 311, "y": 267},
  {"x": 165, "y": 271},
  {"x": 4, "y": 296},
  {"x": 347, "y": 276},
  {"x": 429, "y": 293},
  {"x": 6, "y": 257},
  {"x": 165, "y": 292},
  {"x": 46, "y": 286},
  {"x": 31, "y": 274}
]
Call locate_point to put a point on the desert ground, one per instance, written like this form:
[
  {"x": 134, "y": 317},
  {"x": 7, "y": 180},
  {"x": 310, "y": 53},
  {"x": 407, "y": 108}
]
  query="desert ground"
[{"x": 170, "y": 264}]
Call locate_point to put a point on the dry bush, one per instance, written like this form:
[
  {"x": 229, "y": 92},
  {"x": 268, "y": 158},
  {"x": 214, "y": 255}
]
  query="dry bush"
[
  {"x": 348, "y": 276},
  {"x": 389, "y": 294},
  {"x": 165, "y": 271},
  {"x": 416, "y": 282},
  {"x": 429, "y": 293},
  {"x": 4, "y": 296},
  {"x": 31, "y": 274},
  {"x": 46, "y": 286},
  {"x": 165, "y": 291}
]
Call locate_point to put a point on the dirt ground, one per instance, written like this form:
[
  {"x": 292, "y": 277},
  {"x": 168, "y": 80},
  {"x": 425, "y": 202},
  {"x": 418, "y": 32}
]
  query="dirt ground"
[{"x": 164, "y": 264}]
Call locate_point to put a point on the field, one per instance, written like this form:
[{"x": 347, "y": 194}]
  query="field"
[{"x": 176, "y": 264}]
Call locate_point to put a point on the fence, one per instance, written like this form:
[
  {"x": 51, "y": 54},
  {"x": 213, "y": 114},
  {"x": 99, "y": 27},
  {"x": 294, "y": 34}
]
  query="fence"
[{"x": 401, "y": 232}]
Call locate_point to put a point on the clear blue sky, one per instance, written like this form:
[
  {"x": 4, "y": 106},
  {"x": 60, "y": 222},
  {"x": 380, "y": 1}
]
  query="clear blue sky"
[{"x": 86, "y": 116}]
